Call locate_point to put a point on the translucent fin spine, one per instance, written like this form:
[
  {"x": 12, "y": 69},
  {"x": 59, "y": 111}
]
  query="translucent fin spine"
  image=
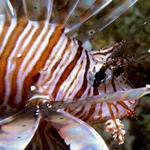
[
  {"x": 7, "y": 9},
  {"x": 75, "y": 132},
  {"x": 17, "y": 130},
  {"x": 118, "y": 104},
  {"x": 84, "y": 11},
  {"x": 63, "y": 10},
  {"x": 38, "y": 10},
  {"x": 103, "y": 22}
]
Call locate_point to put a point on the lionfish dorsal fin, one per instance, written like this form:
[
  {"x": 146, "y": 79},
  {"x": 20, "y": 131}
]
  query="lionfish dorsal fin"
[
  {"x": 6, "y": 9},
  {"x": 16, "y": 131},
  {"x": 63, "y": 10},
  {"x": 38, "y": 10},
  {"x": 104, "y": 21},
  {"x": 75, "y": 132},
  {"x": 83, "y": 11}
]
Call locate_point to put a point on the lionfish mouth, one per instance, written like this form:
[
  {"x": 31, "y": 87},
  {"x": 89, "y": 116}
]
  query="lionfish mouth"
[{"x": 39, "y": 54}]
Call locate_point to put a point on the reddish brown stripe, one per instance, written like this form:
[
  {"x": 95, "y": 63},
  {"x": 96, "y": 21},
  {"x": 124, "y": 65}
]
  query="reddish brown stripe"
[
  {"x": 110, "y": 110},
  {"x": 58, "y": 61},
  {"x": 74, "y": 78},
  {"x": 38, "y": 45},
  {"x": 117, "y": 110},
  {"x": 4, "y": 31},
  {"x": 84, "y": 85},
  {"x": 88, "y": 93},
  {"x": 105, "y": 89},
  {"x": 2, "y": 86},
  {"x": 90, "y": 113},
  {"x": 113, "y": 83},
  {"x": 54, "y": 137},
  {"x": 42, "y": 128},
  {"x": 29, "y": 80},
  {"x": 100, "y": 111},
  {"x": 131, "y": 102},
  {"x": 79, "y": 112},
  {"x": 95, "y": 91},
  {"x": 67, "y": 71},
  {"x": 7, "y": 51},
  {"x": 124, "y": 105},
  {"x": 83, "y": 116},
  {"x": 103, "y": 53},
  {"x": 14, "y": 79},
  {"x": 19, "y": 62}
]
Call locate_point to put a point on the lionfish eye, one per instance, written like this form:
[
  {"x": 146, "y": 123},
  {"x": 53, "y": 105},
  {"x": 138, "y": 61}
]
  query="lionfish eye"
[{"x": 99, "y": 78}]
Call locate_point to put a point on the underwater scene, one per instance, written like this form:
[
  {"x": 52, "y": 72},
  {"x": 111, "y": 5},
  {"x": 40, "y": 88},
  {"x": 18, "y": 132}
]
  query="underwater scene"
[{"x": 74, "y": 75}]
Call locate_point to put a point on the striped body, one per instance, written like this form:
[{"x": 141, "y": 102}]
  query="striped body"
[{"x": 38, "y": 61}]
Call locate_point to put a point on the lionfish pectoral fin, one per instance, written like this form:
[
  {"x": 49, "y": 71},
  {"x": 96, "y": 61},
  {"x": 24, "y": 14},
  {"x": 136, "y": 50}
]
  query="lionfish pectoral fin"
[
  {"x": 127, "y": 95},
  {"x": 83, "y": 11},
  {"x": 116, "y": 128},
  {"x": 103, "y": 22},
  {"x": 38, "y": 10},
  {"x": 75, "y": 132},
  {"x": 17, "y": 130},
  {"x": 6, "y": 8}
]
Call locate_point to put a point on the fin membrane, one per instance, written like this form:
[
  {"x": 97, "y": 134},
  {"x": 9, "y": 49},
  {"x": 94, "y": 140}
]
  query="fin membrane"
[
  {"x": 84, "y": 11},
  {"x": 112, "y": 15},
  {"x": 75, "y": 132},
  {"x": 6, "y": 8},
  {"x": 127, "y": 95},
  {"x": 17, "y": 130},
  {"x": 38, "y": 10}
]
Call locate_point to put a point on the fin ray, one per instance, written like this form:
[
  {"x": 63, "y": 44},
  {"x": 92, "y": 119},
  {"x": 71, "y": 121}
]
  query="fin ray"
[
  {"x": 107, "y": 19},
  {"x": 7, "y": 9},
  {"x": 17, "y": 130},
  {"x": 38, "y": 10},
  {"x": 79, "y": 17},
  {"x": 75, "y": 132}
]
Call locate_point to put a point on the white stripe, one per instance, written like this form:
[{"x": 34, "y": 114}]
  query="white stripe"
[
  {"x": 40, "y": 97},
  {"x": 85, "y": 112},
  {"x": 32, "y": 51},
  {"x": 25, "y": 44},
  {"x": 80, "y": 78},
  {"x": 86, "y": 92},
  {"x": 114, "y": 110},
  {"x": 54, "y": 57},
  {"x": 76, "y": 110},
  {"x": 95, "y": 115},
  {"x": 23, "y": 73},
  {"x": 12, "y": 63},
  {"x": 105, "y": 111},
  {"x": 71, "y": 52},
  {"x": 2, "y": 22},
  {"x": 29, "y": 38},
  {"x": 8, "y": 33},
  {"x": 63, "y": 88}
]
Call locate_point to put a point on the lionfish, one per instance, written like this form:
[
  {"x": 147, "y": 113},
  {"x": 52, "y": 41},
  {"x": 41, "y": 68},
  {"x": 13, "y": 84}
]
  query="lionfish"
[{"x": 49, "y": 80}]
